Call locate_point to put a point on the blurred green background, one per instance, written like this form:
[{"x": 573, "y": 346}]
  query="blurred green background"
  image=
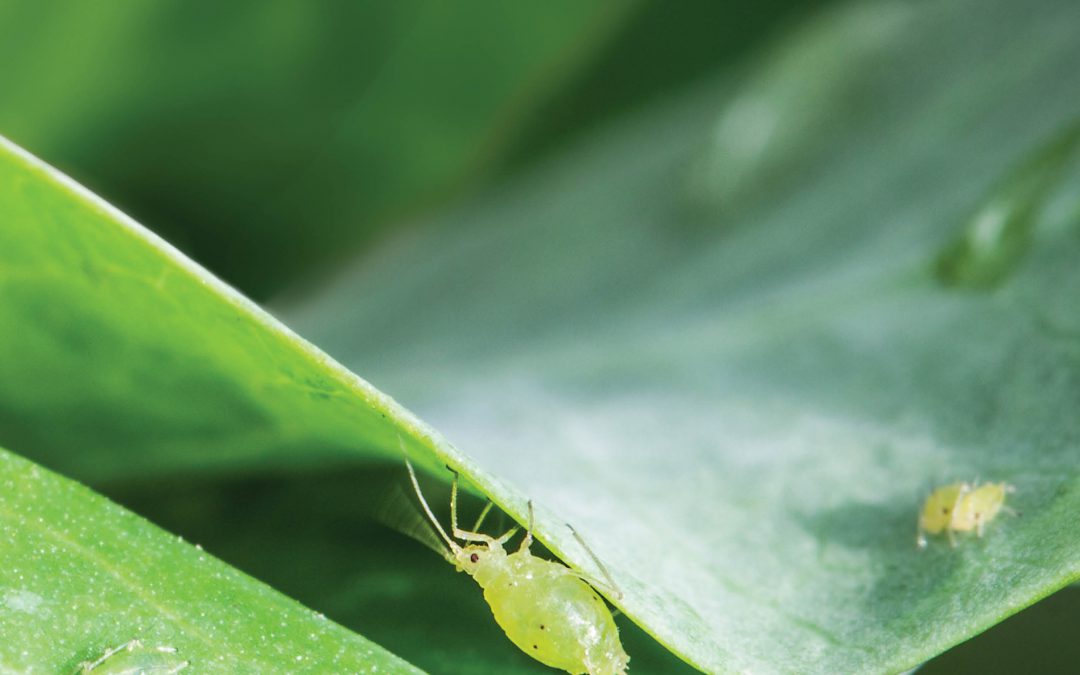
[{"x": 270, "y": 140}]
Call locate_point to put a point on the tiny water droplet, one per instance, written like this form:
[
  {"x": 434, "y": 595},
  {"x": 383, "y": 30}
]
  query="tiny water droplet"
[{"x": 996, "y": 236}]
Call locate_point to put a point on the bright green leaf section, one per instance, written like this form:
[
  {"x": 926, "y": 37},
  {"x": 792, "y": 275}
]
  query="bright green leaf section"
[
  {"x": 715, "y": 341},
  {"x": 122, "y": 357},
  {"x": 227, "y": 125},
  {"x": 81, "y": 575}
]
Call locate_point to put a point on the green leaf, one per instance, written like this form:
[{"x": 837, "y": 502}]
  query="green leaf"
[
  {"x": 716, "y": 341},
  {"x": 82, "y": 576},
  {"x": 123, "y": 357}
]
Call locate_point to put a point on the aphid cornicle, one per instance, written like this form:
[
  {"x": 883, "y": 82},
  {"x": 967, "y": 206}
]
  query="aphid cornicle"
[
  {"x": 961, "y": 507},
  {"x": 545, "y": 608}
]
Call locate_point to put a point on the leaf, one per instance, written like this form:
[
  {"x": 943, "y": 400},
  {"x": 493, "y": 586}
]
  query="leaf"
[
  {"x": 82, "y": 575},
  {"x": 712, "y": 340},
  {"x": 130, "y": 358}
]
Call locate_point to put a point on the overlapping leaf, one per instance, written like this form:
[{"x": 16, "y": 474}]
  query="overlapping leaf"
[{"x": 718, "y": 341}]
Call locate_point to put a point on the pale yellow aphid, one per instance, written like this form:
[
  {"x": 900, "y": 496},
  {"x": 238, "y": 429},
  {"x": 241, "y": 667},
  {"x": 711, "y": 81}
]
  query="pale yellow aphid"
[
  {"x": 961, "y": 507},
  {"x": 544, "y": 607},
  {"x": 135, "y": 658}
]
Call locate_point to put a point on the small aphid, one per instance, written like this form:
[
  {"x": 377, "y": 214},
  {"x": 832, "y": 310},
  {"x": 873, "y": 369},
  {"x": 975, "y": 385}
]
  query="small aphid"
[
  {"x": 961, "y": 507},
  {"x": 544, "y": 607},
  {"x": 134, "y": 658}
]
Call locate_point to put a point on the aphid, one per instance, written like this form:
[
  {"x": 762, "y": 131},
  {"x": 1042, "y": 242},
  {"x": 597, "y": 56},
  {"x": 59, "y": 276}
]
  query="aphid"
[
  {"x": 548, "y": 610},
  {"x": 961, "y": 507},
  {"x": 134, "y": 658}
]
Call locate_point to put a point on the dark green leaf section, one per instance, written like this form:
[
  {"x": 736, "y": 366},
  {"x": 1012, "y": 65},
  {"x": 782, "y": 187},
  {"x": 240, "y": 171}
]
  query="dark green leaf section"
[
  {"x": 82, "y": 575},
  {"x": 234, "y": 128},
  {"x": 657, "y": 53},
  {"x": 1041, "y": 639},
  {"x": 715, "y": 343}
]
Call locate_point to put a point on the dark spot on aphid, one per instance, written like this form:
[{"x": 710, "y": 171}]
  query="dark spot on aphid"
[
  {"x": 535, "y": 647},
  {"x": 945, "y": 510},
  {"x": 474, "y": 557},
  {"x": 977, "y": 515},
  {"x": 541, "y": 626}
]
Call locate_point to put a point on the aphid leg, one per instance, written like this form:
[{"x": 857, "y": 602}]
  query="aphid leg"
[
  {"x": 952, "y": 537},
  {"x": 465, "y": 535},
  {"x": 506, "y": 535},
  {"x": 483, "y": 514},
  {"x": 423, "y": 502},
  {"x": 610, "y": 586},
  {"x": 920, "y": 538},
  {"x": 527, "y": 541},
  {"x": 1010, "y": 489}
]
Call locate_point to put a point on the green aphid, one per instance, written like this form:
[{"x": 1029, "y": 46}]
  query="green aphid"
[
  {"x": 548, "y": 610},
  {"x": 961, "y": 507},
  {"x": 135, "y": 658}
]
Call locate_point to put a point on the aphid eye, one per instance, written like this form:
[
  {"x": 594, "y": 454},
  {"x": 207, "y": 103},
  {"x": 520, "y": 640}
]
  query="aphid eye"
[{"x": 474, "y": 557}]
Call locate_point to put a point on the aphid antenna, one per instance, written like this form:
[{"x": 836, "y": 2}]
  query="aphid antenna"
[
  {"x": 454, "y": 547},
  {"x": 610, "y": 586}
]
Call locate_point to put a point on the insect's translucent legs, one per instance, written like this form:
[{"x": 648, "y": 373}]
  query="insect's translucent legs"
[
  {"x": 465, "y": 535},
  {"x": 483, "y": 514},
  {"x": 610, "y": 586},
  {"x": 423, "y": 502}
]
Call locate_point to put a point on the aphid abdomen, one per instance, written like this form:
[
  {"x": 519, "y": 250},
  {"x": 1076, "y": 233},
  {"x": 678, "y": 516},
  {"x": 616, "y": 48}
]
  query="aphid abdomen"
[
  {"x": 555, "y": 617},
  {"x": 979, "y": 507}
]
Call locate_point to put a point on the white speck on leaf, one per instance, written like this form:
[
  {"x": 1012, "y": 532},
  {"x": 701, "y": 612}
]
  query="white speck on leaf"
[{"x": 21, "y": 600}]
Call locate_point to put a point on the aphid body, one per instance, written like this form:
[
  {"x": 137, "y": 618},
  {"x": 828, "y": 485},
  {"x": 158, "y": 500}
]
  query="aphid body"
[
  {"x": 961, "y": 507},
  {"x": 135, "y": 658},
  {"x": 545, "y": 608}
]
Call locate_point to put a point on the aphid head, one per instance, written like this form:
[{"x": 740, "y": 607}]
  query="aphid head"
[{"x": 471, "y": 558}]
